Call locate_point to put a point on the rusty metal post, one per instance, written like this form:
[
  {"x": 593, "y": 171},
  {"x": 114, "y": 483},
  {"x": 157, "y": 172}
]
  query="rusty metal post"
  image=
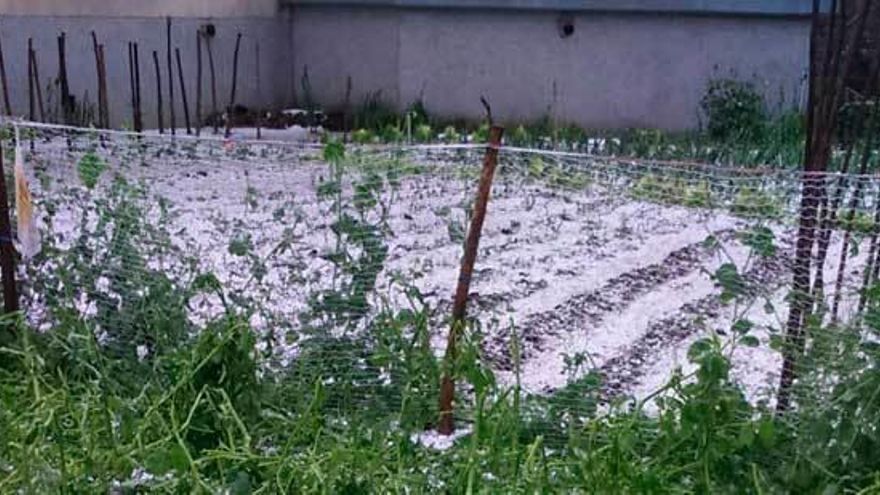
[
  {"x": 459, "y": 307},
  {"x": 7, "y": 250}
]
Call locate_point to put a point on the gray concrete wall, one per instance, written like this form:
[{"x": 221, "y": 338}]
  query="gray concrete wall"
[
  {"x": 616, "y": 70},
  {"x": 141, "y": 8},
  {"x": 273, "y": 34}
]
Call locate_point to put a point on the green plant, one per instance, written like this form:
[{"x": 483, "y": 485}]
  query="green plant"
[
  {"x": 734, "y": 110},
  {"x": 363, "y": 136},
  {"x": 755, "y": 203},
  {"x": 375, "y": 114},
  {"x": 90, "y": 168},
  {"x": 451, "y": 135},
  {"x": 424, "y": 133}
]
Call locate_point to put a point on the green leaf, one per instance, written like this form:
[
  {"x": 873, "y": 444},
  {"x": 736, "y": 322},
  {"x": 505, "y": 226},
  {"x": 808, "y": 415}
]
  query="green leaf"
[
  {"x": 206, "y": 282},
  {"x": 164, "y": 460},
  {"x": 750, "y": 341},
  {"x": 777, "y": 342},
  {"x": 240, "y": 245},
  {"x": 746, "y": 436},
  {"x": 90, "y": 168},
  {"x": 760, "y": 239},
  {"x": 767, "y": 433},
  {"x": 731, "y": 282},
  {"x": 334, "y": 151},
  {"x": 699, "y": 350},
  {"x": 743, "y": 326}
]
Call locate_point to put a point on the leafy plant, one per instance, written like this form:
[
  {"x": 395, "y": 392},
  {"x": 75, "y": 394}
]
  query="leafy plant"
[
  {"x": 734, "y": 110},
  {"x": 90, "y": 168}
]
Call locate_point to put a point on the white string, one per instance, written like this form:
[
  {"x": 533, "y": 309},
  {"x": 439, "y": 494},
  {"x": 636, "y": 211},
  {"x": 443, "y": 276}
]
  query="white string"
[
  {"x": 221, "y": 140},
  {"x": 709, "y": 168}
]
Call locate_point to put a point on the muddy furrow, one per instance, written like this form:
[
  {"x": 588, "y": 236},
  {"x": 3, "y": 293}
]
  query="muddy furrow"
[
  {"x": 588, "y": 310},
  {"x": 621, "y": 372}
]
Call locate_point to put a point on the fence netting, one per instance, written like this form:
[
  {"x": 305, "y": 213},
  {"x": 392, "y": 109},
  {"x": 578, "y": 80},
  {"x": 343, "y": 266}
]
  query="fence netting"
[{"x": 597, "y": 283}]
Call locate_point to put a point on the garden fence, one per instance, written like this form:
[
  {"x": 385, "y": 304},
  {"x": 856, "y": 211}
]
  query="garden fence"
[{"x": 598, "y": 279}]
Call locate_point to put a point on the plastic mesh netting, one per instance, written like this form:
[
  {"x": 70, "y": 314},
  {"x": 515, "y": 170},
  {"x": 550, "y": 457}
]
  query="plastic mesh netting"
[{"x": 598, "y": 279}]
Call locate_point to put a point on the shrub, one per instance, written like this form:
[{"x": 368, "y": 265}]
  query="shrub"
[{"x": 734, "y": 109}]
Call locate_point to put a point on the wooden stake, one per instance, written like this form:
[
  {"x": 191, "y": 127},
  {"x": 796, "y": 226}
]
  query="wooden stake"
[
  {"x": 7, "y": 249},
  {"x": 39, "y": 89},
  {"x": 173, "y": 123},
  {"x": 138, "y": 109},
  {"x": 213, "y": 83},
  {"x": 183, "y": 91},
  {"x": 67, "y": 110},
  {"x": 346, "y": 109},
  {"x": 97, "y": 52},
  {"x": 259, "y": 93},
  {"x": 131, "y": 85},
  {"x": 459, "y": 306},
  {"x": 102, "y": 85},
  {"x": 160, "y": 116},
  {"x": 198, "y": 83},
  {"x": 32, "y": 104},
  {"x": 6, "y": 104},
  {"x": 231, "y": 108}
]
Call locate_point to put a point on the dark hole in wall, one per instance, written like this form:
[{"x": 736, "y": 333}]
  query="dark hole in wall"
[{"x": 566, "y": 26}]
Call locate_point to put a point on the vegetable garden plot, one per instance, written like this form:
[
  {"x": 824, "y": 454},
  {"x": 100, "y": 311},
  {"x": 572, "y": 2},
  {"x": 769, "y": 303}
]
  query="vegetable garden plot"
[{"x": 592, "y": 272}]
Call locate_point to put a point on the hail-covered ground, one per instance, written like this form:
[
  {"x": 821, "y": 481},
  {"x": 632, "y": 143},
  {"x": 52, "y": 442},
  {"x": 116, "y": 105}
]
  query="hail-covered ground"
[{"x": 575, "y": 269}]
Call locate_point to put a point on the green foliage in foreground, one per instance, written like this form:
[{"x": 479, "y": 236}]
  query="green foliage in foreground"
[
  {"x": 205, "y": 416},
  {"x": 139, "y": 398}
]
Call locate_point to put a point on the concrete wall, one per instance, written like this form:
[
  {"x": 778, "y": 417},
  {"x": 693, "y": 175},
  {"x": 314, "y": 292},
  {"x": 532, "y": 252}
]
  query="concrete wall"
[
  {"x": 616, "y": 70},
  {"x": 273, "y": 34},
  {"x": 141, "y": 8}
]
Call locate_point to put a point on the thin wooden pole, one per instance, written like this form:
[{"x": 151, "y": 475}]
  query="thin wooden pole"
[
  {"x": 259, "y": 93},
  {"x": 66, "y": 103},
  {"x": 198, "y": 83},
  {"x": 32, "y": 104},
  {"x": 6, "y": 104},
  {"x": 138, "y": 109},
  {"x": 7, "y": 249},
  {"x": 102, "y": 72},
  {"x": 173, "y": 123},
  {"x": 160, "y": 116},
  {"x": 183, "y": 91},
  {"x": 131, "y": 85},
  {"x": 459, "y": 306},
  {"x": 213, "y": 83},
  {"x": 97, "y": 52},
  {"x": 231, "y": 108},
  {"x": 346, "y": 109},
  {"x": 39, "y": 90}
]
